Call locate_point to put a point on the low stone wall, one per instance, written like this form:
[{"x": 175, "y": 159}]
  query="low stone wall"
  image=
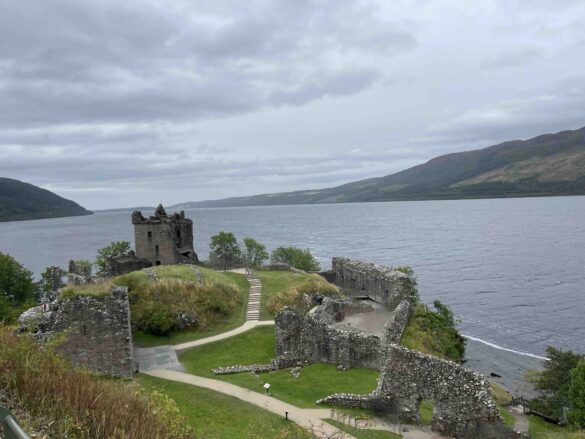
[
  {"x": 281, "y": 362},
  {"x": 382, "y": 284},
  {"x": 96, "y": 330}
]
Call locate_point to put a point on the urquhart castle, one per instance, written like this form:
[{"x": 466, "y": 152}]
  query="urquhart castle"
[{"x": 99, "y": 336}]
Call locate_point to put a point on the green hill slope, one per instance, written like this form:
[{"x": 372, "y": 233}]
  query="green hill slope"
[
  {"x": 23, "y": 201},
  {"x": 551, "y": 164}
]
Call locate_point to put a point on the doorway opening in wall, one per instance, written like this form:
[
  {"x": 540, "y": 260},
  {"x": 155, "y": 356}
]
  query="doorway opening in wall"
[
  {"x": 157, "y": 263},
  {"x": 425, "y": 411}
]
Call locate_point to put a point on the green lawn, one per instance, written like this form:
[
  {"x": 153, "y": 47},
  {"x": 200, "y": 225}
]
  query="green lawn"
[
  {"x": 363, "y": 433},
  {"x": 273, "y": 282},
  {"x": 538, "y": 428},
  {"x": 256, "y": 347},
  {"x": 184, "y": 272},
  {"x": 214, "y": 415}
]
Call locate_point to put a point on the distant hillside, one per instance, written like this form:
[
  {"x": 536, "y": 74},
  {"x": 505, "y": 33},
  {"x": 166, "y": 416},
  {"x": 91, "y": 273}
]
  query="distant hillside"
[
  {"x": 552, "y": 164},
  {"x": 23, "y": 201}
]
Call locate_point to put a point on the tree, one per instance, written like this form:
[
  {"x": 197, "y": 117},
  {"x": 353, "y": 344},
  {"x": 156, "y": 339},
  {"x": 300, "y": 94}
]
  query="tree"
[
  {"x": 48, "y": 285},
  {"x": 577, "y": 395},
  {"x": 84, "y": 267},
  {"x": 554, "y": 381},
  {"x": 224, "y": 248},
  {"x": 295, "y": 257},
  {"x": 254, "y": 253},
  {"x": 16, "y": 282},
  {"x": 114, "y": 250}
]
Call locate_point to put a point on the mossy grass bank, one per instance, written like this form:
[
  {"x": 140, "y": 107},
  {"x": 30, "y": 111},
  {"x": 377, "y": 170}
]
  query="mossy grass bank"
[{"x": 281, "y": 288}]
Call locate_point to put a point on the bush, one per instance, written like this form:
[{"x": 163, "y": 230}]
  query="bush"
[
  {"x": 170, "y": 305},
  {"x": 577, "y": 395},
  {"x": 434, "y": 332},
  {"x": 84, "y": 267},
  {"x": 62, "y": 401},
  {"x": 18, "y": 292},
  {"x": 553, "y": 383},
  {"x": 114, "y": 250},
  {"x": 16, "y": 282},
  {"x": 295, "y": 257},
  {"x": 296, "y": 297}
]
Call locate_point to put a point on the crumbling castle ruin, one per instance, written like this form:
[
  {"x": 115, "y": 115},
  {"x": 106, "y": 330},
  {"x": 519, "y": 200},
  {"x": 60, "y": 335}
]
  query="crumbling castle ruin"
[
  {"x": 462, "y": 404},
  {"x": 164, "y": 239},
  {"x": 94, "y": 331}
]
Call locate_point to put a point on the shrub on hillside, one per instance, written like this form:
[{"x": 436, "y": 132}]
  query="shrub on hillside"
[
  {"x": 434, "y": 332},
  {"x": 170, "y": 305},
  {"x": 62, "y": 401},
  {"x": 299, "y": 296},
  {"x": 295, "y": 257}
]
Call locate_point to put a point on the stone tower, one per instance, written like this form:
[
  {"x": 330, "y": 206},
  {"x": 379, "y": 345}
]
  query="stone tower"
[{"x": 164, "y": 239}]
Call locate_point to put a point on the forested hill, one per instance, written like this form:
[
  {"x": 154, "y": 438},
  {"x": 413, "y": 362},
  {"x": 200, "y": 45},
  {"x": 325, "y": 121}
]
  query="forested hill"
[
  {"x": 551, "y": 164},
  {"x": 23, "y": 201}
]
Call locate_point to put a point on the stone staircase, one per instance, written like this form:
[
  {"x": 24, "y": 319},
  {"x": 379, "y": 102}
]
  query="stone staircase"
[{"x": 253, "y": 311}]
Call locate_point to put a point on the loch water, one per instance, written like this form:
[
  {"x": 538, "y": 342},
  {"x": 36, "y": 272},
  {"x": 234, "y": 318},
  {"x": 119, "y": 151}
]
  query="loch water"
[{"x": 513, "y": 270}]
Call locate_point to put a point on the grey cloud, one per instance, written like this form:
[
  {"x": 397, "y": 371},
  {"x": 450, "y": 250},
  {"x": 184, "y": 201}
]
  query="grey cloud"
[
  {"x": 513, "y": 58},
  {"x": 102, "y": 61}
]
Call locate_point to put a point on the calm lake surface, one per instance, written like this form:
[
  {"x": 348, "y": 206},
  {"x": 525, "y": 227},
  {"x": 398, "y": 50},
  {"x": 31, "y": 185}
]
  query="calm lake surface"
[{"x": 513, "y": 270}]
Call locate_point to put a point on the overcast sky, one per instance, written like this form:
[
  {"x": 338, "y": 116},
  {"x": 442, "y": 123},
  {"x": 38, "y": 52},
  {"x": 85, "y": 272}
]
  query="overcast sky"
[{"x": 127, "y": 103}]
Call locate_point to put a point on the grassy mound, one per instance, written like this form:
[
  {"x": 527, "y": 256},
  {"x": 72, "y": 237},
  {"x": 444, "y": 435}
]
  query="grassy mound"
[
  {"x": 434, "y": 333},
  {"x": 185, "y": 303},
  {"x": 290, "y": 289},
  {"x": 49, "y": 396}
]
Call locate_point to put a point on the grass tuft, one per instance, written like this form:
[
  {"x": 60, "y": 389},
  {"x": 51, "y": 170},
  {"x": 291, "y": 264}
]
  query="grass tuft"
[{"x": 102, "y": 289}]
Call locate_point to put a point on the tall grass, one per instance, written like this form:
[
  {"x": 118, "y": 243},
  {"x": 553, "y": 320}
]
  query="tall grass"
[
  {"x": 299, "y": 296},
  {"x": 63, "y": 402}
]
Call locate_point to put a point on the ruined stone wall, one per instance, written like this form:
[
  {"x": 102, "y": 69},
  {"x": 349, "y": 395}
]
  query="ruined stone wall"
[
  {"x": 116, "y": 266},
  {"x": 96, "y": 330},
  {"x": 461, "y": 398},
  {"x": 396, "y": 324},
  {"x": 310, "y": 338},
  {"x": 382, "y": 284}
]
